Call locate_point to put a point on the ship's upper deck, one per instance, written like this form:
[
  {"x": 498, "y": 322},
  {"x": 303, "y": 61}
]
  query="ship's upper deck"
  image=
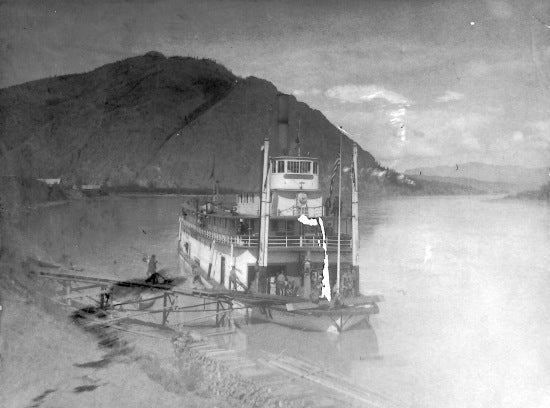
[{"x": 294, "y": 173}]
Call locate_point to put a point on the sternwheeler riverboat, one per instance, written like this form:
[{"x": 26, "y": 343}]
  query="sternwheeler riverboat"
[{"x": 285, "y": 243}]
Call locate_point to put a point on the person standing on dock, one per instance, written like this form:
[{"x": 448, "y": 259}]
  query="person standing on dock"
[{"x": 280, "y": 284}]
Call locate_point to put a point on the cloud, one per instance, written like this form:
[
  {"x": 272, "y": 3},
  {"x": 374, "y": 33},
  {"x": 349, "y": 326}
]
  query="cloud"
[
  {"x": 395, "y": 102},
  {"x": 306, "y": 92},
  {"x": 365, "y": 93},
  {"x": 477, "y": 68},
  {"x": 470, "y": 143},
  {"x": 450, "y": 96},
  {"x": 517, "y": 136},
  {"x": 499, "y": 9},
  {"x": 539, "y": 126}
]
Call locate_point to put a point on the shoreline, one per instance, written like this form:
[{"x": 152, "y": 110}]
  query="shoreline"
[{"x": 200, "y": 372}]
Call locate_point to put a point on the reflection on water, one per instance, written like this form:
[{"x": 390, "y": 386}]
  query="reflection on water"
[
  {"x": 108, "y": 236},
  {"x": 322, "y": 349},
  {"x": 465, "y": 280}
]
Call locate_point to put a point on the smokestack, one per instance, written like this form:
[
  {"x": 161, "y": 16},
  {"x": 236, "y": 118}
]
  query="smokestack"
[{"x": 282, "y": 123}]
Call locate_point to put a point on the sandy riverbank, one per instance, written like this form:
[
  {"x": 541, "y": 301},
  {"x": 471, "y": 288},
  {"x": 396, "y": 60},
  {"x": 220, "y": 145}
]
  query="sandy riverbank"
[
  {"x": 47, "y": 360},
  {"x": 52, "y": 357}
]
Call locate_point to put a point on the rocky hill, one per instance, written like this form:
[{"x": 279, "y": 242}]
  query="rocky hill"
[{"x": 156, "y": 122}]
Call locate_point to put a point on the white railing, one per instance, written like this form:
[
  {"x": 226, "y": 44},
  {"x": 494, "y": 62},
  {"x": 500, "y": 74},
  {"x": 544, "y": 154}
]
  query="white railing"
[
  {"x": 296, "y": 211},
  {"x": 273, "y": 241},
  {"x": 193, "y": 229}
]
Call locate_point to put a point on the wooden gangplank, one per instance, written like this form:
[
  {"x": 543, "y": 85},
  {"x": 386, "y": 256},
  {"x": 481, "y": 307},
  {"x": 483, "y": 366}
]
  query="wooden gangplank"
[
  {"x": 169, "y": 295},
  {"x": 228, "y": 295},
  {"x": 223, "y": 298}
]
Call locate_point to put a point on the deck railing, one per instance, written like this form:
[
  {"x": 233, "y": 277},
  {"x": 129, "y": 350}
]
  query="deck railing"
[{"x": 273, "y": 241}]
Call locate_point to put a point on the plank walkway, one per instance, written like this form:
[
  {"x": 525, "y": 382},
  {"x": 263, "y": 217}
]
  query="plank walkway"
[{"x": 294, "y": 380}]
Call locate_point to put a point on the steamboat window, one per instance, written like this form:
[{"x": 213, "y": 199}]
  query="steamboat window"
[
  {"x": 293, "y": 166},
  {"x": 315, "y": 167},
  {"x": 298, "y": 167},
  {"x": 280, "y": 166}
]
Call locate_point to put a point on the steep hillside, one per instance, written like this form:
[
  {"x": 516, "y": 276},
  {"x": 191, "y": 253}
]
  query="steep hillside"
[{"x": 157, "y": 122}]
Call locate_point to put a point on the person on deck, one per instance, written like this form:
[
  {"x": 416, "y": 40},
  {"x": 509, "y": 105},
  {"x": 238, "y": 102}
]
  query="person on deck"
[
  {"x": 280, "y": 284},
  {"x": 243, "y": 227}
]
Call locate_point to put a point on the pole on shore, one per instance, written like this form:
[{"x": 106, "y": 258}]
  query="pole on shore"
[
  {"x": 355, "y": 222},
  {"x": 339, "y": 211}
]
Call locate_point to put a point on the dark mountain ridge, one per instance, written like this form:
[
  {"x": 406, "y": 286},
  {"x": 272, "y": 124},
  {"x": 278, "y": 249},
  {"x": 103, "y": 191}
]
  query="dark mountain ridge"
[
  {"x": 178, "y": 123},
  {"x": 157, "y": 122}
]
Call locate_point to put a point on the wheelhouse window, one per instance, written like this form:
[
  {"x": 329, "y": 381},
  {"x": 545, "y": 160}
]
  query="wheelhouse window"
[
  {"x": 293, "y": 166},
  {"x": 298, "y": 167},
  {"x": 315, "y": 167},
  {"x": 305, "y": 167}
]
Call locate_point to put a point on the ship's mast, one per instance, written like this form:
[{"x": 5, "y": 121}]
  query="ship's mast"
[
  {"x": 298, "y": 137},
  {"x": 339, "y": 210},
  {"x": 264, "y": 213}
]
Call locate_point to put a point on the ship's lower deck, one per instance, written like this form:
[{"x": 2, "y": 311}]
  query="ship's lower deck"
[{"x": 301, "y": 266}]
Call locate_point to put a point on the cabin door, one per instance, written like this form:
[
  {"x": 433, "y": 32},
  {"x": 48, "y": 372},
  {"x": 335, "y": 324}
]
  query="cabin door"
[{"x": 222, "y": 271}]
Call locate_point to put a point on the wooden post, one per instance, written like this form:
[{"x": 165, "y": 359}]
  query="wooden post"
[
  {"x": 164, "y": 311},
  {"x": 339, "y": 213}
]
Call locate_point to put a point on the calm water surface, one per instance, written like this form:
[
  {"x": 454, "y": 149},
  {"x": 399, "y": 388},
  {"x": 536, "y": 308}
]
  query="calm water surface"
[{"x": 466, "y": 282}]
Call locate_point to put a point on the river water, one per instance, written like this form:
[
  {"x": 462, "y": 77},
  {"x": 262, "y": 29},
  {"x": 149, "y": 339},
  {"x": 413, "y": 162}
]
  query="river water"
[{"x": 466, "y": 282}]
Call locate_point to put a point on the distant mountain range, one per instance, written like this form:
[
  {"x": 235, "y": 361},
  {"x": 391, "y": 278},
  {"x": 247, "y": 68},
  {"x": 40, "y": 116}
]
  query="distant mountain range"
[{"x": 487, "y": 177}]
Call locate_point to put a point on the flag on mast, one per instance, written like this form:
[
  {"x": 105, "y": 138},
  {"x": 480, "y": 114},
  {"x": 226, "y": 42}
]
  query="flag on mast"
[
  {"x": 352, "y": 174},
  {"x": 334, "y": 171}
]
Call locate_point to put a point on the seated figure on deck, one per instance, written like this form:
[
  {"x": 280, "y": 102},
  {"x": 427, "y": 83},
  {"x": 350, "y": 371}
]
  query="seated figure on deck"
[
  {"x": 152, "y": 275},
  {"x": 347, "y": 285}
]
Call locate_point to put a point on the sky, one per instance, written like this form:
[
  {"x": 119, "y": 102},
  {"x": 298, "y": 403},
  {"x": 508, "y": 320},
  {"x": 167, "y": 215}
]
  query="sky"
[{"x": 416, "y": 83}]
